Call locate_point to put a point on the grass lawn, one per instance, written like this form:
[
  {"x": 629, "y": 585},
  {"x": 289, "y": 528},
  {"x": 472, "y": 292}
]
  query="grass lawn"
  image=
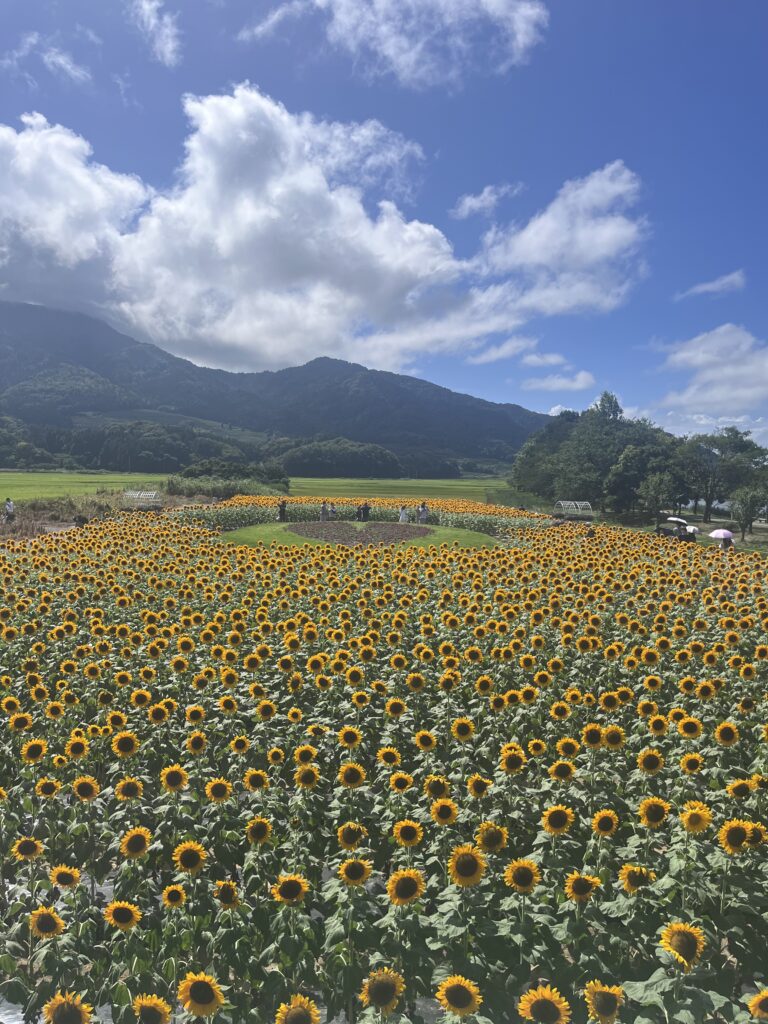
[
  {"x": 471, "y": 488},
  {"x": 28, "y": 486},
  {"x": 270, "y": 533}
]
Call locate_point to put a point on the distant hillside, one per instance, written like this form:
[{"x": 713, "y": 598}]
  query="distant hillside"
[{"x": 65, "y": 371}]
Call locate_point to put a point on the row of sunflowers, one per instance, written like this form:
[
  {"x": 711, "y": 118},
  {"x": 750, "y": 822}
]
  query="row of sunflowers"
[{"x": 290, "y": 785}]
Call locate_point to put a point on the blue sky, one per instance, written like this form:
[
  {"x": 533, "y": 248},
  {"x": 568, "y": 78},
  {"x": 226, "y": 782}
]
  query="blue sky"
[{"x": 527, "y": 200}]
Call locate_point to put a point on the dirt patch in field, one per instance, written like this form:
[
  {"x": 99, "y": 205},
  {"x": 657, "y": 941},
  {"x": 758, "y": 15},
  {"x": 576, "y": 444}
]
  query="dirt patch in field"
[{"x": 370, "y": 533}]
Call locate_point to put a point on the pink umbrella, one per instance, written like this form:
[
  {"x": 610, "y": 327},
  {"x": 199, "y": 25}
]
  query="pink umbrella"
[{"x": 722, "y": 535}]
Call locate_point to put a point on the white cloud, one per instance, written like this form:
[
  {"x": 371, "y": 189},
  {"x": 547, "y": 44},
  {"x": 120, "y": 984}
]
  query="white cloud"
[
  {"x": 734, "y": 282},
  {"x": 423, "y": 42},
  {"x": 484, "y": 202},
  {"x": 728, "y": 370},
  {"x": 160, "y": 28},
  {"x": 61, "y": 63},
  {"x": 544, "y": 359},
  {"x": 279, "y": 241},
  {"x": 271, "y": 22},
  {"x": 559, "y": 382},
  {"x": 12, "y": 60},
  {"x": 506, "y": 350}
]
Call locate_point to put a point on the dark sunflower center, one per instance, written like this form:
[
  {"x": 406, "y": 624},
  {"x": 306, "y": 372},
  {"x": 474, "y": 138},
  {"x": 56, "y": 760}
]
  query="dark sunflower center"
[
  {"x": 349, "y": 736},
  {"x": 563, "y": 771},
  {"x": 637, "y": 878},
  {"x": 290, "y": 889},
  {"x": 136, "y": 843},
  {"x": 558, "y": 819},
  {"x": 227, "y": 893},
  {"x": 762, "y": 1005},
  {"x": 523, "y": 876},
  {"x": 466, "y": 865},
  {"x": 592, "y": 736},
  {"x": 125, "y": 744},
  {"x": 34, "y": 750},
  {"x": 655, "y": 812},
  {"x": 436, "y": 788},
  {"x": 408, "y": 833},
  {"x": 130, "y": 789},
  {"x": 355, "y": 870},
  {"x": 46, "y": 923},
  {"x": 258, "y": 830},
  {"x": 406, "y": 888},
  {"x": 545, "y": 1011},
  {"x": 189, "y": 858},
  {"x": 459, "y": 996},
  {"x": 65, "y": 878},
  {"x": 606, "y": 1003},
  {"x": 479, "y": 786},
  {"x": 353, "y": 775},
  {"x": 308, "y": 776},
  {"x": 685, "y": 944},
  {"x": 298, "y": 1015},
  {"x": 736, "y": 835},
  {"x": 726, "y": 734},
  {"x": 150, "y": 1015},
  {"x": 350, "y": 834},
  {"x": 691, "y": 727},
  {"x": 381, "y": 991},
  {"x": 67, "y": 1013},
  {"x": 605, "y": 824},
  {"x": 582, "y": 886},
  {"x": 444, "y": 811},
  {"x": 651, "y": 762},
  {"x": 122, "y": 915},
  {"x": 174, "y": 896},
  {"x": 741, "y": 789},
  {"x": 201, "y": 992},
  {"x": 513, "y": 761},
  {"x": 493, "y": 837},
  {"x": 219, "y": 789},
  {"x": 463, "y": 729},
  {"x": 196, "y": 742},
  {"x": 84, "y": 789},
  {"x": 77, "y": 748},
  {"x": 48, "y": 788},
  {"x": 174, "y": 778}
]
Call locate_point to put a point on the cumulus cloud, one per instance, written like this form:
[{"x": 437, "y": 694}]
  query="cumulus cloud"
[
  {"x": 423, "y": 42},
  {"x": 159, "y": 28},
  {"x": 506, "y": 350},
  {"x": 734, "y": 282},
  {"x": 728, "y": 373},
  {"x": 484, "y": 202},
  {"x": 559, "y": 382},
  {"x": 282, "y": 240},
  {"x": 544, "y": 359}
]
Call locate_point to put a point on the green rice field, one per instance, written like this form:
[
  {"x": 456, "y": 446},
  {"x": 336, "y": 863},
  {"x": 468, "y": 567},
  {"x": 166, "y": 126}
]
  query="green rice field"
[{"x": 23, "y": 486}]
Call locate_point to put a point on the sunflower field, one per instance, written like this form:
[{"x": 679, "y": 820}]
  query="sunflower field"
[{"x": 283, "y": 785}]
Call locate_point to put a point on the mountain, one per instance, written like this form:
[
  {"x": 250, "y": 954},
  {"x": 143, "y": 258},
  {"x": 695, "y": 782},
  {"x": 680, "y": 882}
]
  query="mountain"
[{"x": 65, "y": 370}]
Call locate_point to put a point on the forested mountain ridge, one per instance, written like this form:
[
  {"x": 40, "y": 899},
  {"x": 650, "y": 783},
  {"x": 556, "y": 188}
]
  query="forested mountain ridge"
[{"x": 59, "y": 368}]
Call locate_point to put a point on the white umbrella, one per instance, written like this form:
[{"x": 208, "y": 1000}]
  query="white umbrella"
[
  {"x": 677, "y": 519},
  {"x": 722, "y": 535},
  {"x": 692, "y": 529}
]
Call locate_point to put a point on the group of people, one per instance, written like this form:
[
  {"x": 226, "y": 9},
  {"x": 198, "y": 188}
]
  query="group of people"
[{"x": 329, "y": 512}]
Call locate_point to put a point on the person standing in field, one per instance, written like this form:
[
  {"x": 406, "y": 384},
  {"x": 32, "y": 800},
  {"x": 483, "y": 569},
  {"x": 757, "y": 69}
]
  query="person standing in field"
[
  {"x": 422, "y": 513},
  {"x": 365, "y": 510},
  {"x": 403, "y": 514},
  {"x": 332, "y": 513},
  {"x": 324, "y": 512},
  {"x": 282, "y": 507},
  {"x": 10, "y": 510}
]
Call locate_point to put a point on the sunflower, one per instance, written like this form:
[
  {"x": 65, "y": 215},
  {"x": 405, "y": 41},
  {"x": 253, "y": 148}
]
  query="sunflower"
[
  {"x": 200, "y": 995},
  {"x": 405, "y": 887},
  {"x": 218, "y": 790},
  {"x": 124, "y": 916},
  {"x": 351, "y": 834},
  {"x": 581, "y": 888},
  {"x": 459, "y": 996},
  {"x": 45, "y": 923},
  {"x": 557, "y": 820},
  {"x": 758, "y": 1005},
  {"x": 633, "y": 877},
  {"x": 27, "y": 848},
  {"x": 351, "y": 775},
  {"x": 522, "y": 875},
  {"x": 226, "y": 893},
  {"x": 174, "y": 896},
  {"x": 734, "y": 836},
  {"x": 605, "y": 823},
  {"x": 34, "y": 751},
  {"x": 653, "y": 812},
  {"x": 726, "y": 734},
  {"x": 355, "y": 871},
  {"x": 47, "y": 788},
  {"x": 407, "y": 832},
  {"x": 86, "y": 788},
  {"x": 685, "y": 942},
  {"x": 135, "y": 842},
  {"x": 389, "y": 756},
  {"x": 436, "y": 786},
  {"x": 382, "y": 990},
  {"x": 425, "y": 740},
  {"x": 399, "y": 782},
  {"x": 349, "y": 736},
  {"x": 478, "y": 786},
  {"x": 306, "y": 777},
  {"x": 189, "y": 857},
  {"x": 466, "y": 865},
  {"x": 67, "y": 1008},
  {"x": 174, "y": 778},
  {"x": 124, "y": 744},
  {"x": 562, "y": 771},
  {"x": 64, "y": 877},
  {"x": 444, "y": 812},
  {"x": 151, "y": 1010},
  {"x": 462, "y": 729},
  {"x": 290, "y": 889},
  {"x": 650, "y": 761},
  {"x": 512, "y": 759},
  {"x": 691, "y": 764},
  {"x": 544, "y": 1005},
  {"x": 603, "y": 1001},
  {"x": 491, "y": 837},
  {"x": 298, "y": 1010},
  {"x": 258, "y": 830}
]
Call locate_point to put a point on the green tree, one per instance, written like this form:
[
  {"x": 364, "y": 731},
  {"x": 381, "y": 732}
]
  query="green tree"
[
  {"x": 656, "y": 491},
  {"x": 746, "y": 503}
]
